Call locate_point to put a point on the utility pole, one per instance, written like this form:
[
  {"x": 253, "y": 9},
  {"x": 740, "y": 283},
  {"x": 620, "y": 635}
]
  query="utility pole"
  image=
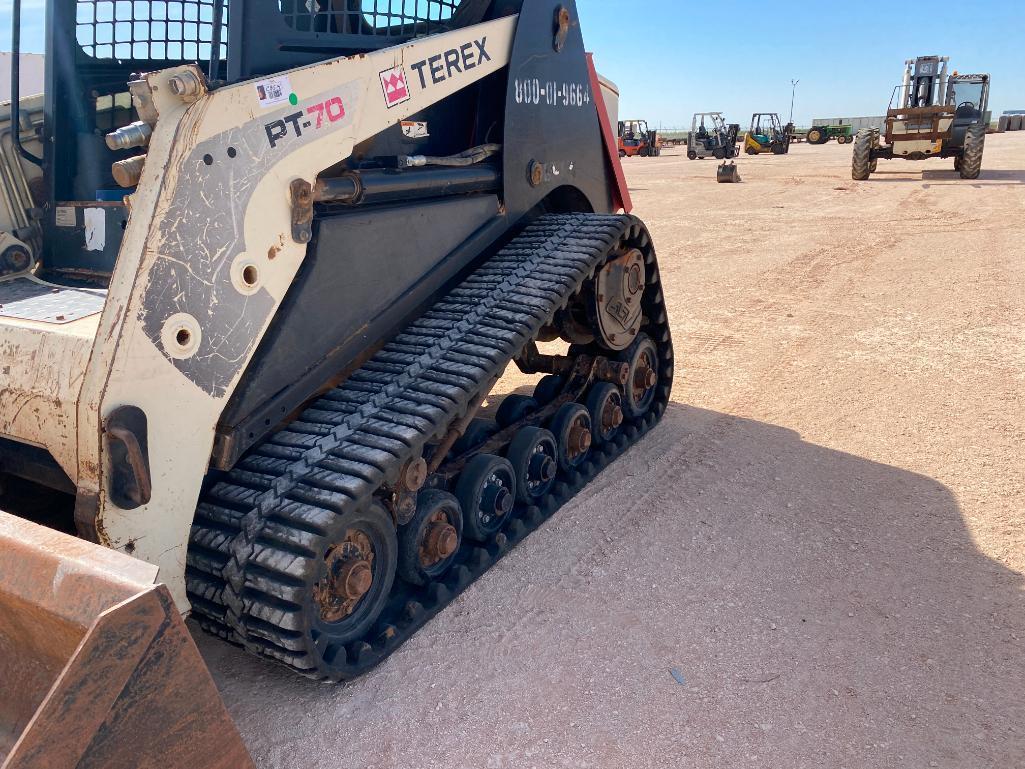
[{"x": 793, "y": 90}]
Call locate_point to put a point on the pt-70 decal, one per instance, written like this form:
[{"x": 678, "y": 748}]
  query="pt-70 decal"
[{"x": 314, "y": 117}]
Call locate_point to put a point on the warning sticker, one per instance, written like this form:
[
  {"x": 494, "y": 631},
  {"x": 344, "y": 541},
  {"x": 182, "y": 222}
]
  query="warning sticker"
[
  {"x": 393, "y": 82},
  {"x": 413, "y": 129},
  {"x": 273, "y": 91},
  {"x": 95, "y": 229},
  {"x": 65, "y": 216}
]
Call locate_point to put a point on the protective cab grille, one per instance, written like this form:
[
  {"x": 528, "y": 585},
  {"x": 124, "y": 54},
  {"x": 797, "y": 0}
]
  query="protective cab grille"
[{"x": 148, "y": 30}]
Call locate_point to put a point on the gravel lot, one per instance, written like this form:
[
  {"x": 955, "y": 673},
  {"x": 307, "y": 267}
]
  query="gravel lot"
[{"x": 824, "y": 539}]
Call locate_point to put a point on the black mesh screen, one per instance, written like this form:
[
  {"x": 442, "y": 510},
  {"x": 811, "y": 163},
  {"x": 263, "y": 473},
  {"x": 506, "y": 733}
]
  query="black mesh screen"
[
  {"x": 139, "y": 30},
  {"x": 386, "y": 18}
]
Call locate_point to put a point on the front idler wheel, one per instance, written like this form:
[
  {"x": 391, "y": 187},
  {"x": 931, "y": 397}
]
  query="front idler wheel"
[
  {"x": 429, "y": 543},
  {"x": 643, "y": 377},
  {"x": 534, "y": 456},
  {"x": 355, "y": 577},
  {"x": 616, "y": 310},
  {"x": 486, "y": 490},
  {"x": 605, "y": 405},
  {"x": 571, "y": 427}
]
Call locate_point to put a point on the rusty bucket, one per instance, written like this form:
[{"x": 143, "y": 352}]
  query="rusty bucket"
[{"x": 97, "y": 668}]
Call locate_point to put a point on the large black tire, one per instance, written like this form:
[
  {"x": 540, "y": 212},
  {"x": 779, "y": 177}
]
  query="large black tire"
[
  {"x": 692, "y": 155},
  {"x": 971, "y": 159},
  {"x": 814, "y": 136},
  {"x": 861, "y": 157}
]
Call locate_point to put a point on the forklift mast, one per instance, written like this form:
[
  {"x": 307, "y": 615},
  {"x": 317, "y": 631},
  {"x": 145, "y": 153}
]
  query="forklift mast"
[{"x": 925, "y": 82}]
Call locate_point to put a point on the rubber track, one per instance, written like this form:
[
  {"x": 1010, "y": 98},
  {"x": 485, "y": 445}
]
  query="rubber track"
[{"x": 258, "y": 533}]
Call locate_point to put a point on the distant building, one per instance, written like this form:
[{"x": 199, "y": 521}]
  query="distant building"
[{"x": 31, "y": 75}]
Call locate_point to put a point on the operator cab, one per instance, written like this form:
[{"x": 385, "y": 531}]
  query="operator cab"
[
  {"x": 969, "y": 94},
  {"x": 96, "y": 48}
]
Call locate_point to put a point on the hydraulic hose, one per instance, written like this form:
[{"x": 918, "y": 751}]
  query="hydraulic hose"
[{"x": 16, "y": 85}]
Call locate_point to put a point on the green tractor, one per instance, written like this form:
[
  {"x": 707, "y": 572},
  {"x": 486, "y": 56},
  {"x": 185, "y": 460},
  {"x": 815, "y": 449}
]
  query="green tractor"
[{"x": 820, "y": 134}]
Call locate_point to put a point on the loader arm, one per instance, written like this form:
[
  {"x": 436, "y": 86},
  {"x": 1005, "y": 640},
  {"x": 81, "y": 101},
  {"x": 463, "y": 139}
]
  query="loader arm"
[{"x": 209, "y": 253}]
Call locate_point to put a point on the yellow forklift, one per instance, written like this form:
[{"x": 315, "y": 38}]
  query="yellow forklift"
[{"x": 767, "y": 134}]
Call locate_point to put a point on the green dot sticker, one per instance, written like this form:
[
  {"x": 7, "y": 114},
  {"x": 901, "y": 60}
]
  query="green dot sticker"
[{"x": 293, "y": 99}]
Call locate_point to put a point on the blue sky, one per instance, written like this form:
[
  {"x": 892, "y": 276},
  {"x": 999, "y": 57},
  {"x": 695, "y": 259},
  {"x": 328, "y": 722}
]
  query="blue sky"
[
  {"x": 670, "y": 63},
  {"x": 671, "y": 59}
]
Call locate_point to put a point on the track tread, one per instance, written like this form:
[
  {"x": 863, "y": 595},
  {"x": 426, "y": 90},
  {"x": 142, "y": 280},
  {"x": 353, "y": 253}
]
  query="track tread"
[{"x": 258, "y": 531}]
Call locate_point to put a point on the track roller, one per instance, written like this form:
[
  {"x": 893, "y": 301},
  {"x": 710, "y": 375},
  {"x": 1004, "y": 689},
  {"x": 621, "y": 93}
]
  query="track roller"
[
  {"x": 571, "y": 427},
  {"x": 640, "y": 387},
  {"x": 354, "y": 576},
  {"x": 548, "y": 388},
  {"x": 486, "y": 491},
  {"x": 513, "y": 408},
  {"x": 605, "y": 405},
  {"x": 534, "y": 455},
  {"x": 429, "y": 542}
]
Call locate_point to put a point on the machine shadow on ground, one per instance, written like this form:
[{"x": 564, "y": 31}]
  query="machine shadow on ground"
[
  {"x": 986, "y": 178},
  {"x": 854, "y": 575}
]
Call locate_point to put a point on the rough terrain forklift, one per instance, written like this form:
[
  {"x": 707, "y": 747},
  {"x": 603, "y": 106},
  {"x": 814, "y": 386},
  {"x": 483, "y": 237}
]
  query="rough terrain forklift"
[
  {"x": 716, "y": 138},
  {"x": 635, "y": 138},
  {"x": 767, "y": 134},
  {"x": 930, "y": 115},
  {"x": 263, "y": 262}
]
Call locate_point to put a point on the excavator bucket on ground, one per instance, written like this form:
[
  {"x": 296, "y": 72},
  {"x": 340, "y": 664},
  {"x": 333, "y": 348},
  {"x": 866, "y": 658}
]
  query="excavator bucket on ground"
[
  {"x": 727, "y": 173},
  {"x": 97, "y": 668}
]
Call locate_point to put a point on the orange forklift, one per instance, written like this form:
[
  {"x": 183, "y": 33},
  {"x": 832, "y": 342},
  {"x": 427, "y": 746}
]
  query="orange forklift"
[{"x": 636, "y": 139}]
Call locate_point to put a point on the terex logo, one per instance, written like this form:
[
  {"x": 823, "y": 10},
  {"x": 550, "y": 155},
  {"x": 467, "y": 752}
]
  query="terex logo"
[
  {"x": 441, "y": 66},
  {"x": 393, "y": 81}
]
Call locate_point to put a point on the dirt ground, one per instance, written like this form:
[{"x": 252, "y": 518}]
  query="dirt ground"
[{"x": 815, "y": 560}]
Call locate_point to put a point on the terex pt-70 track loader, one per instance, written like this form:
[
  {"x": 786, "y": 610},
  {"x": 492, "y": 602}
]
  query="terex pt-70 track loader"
[
  {"x": 251, "y": 306},
  {"x": 930, "y": 115}
]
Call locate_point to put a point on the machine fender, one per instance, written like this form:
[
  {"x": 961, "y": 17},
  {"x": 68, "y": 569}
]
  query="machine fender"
[{"x": 620, "y": 190}]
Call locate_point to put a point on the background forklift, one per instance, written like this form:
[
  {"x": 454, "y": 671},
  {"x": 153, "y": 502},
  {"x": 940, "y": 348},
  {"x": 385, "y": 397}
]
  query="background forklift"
[
  {"x": 636, "y": 139},
  {"x": 929, "y": 115},
  {"x": 767, "y": 134},
  {"x": 253, "y": 298},
  {"x": 710, "y": 135}
]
